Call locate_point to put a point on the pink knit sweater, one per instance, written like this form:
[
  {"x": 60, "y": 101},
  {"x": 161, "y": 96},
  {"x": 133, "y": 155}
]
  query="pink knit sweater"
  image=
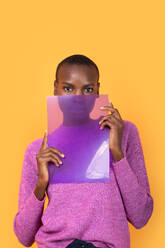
[{"x": 95, "y": 212}]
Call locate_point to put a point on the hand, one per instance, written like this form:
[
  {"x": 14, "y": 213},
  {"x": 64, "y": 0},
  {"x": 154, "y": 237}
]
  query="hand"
[
  {"x": 45, "y": 155},
  {"x": 116, "y": 124}
]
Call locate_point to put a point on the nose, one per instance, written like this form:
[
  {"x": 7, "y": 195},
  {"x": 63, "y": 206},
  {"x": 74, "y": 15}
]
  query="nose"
[
  {"x": 78, "y": 92},
  {"x": 78, "y": 100}
]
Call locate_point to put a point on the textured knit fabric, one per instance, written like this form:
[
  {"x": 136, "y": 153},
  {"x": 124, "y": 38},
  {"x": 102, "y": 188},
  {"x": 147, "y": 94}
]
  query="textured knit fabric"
[{"x": 94, "y": 212}]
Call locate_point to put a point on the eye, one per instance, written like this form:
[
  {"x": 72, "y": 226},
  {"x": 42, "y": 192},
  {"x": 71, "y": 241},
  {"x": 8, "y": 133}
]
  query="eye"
[
  {"x": 67, "y": 88},
  {"x": 91, "y": 89}
]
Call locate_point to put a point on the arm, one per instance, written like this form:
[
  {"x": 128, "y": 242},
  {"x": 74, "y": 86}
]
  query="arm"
[
  {"x": 28, "y": 218},
  {"x": 132, "y": 180}
]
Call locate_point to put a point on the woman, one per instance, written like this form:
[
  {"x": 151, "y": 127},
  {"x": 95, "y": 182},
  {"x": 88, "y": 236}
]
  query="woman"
[{"x": 84, "y": 214}]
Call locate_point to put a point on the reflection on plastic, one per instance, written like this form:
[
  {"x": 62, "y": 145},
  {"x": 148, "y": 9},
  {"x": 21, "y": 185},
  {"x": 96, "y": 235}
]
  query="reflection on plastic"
[
  {"x": 95, "y": 170},
  {"x": 74, "y": 130}
]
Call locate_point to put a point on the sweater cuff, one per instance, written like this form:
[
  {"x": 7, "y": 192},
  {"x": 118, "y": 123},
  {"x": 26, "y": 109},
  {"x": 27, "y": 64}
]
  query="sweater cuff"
[
  {"x": 123, "y": 170},
  {"x": 121, "y": 161},
  {"x": 34, "y": 201}
]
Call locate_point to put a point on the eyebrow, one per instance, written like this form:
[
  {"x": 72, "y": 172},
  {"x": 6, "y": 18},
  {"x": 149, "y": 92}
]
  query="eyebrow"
[{"x": 73, "y": 85}]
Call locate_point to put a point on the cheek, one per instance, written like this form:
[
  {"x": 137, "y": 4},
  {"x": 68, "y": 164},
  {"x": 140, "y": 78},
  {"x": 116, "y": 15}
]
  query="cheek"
[
  {"x": 96, "y": 90},
  {"x": 61, "y": 92}
]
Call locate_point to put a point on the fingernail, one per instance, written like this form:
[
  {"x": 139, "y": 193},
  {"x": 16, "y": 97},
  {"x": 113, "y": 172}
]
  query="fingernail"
[{"x": 62, "y": 155}]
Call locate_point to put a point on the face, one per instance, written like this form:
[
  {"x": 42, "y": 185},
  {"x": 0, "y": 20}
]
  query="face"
[{"x": 76, "y": 80}]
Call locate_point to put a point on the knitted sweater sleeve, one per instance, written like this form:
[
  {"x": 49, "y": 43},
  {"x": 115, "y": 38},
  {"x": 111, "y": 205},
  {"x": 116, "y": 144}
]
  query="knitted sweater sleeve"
[
  {"x": 132, "y": 180},
  {"x": 28, "y": 218}
]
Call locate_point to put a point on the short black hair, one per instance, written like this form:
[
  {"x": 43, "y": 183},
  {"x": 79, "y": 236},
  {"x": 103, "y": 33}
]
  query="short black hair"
[{"x": 77, "y": 59}]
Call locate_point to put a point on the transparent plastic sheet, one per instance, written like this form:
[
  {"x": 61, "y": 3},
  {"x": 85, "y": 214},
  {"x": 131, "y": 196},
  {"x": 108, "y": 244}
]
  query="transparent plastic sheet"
[{"x": 74, "y": 129}]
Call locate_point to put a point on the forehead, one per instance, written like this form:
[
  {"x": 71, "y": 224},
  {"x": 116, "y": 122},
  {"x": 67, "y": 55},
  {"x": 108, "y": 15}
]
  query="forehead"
[{"x": 77, "y": 72}]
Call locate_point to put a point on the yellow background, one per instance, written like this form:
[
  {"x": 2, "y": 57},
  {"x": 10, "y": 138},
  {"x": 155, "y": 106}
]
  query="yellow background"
[{"x": 126, "y": 40}]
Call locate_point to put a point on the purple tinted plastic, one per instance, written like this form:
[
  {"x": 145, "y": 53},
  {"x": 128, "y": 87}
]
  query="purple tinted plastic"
[{"x": 74, "y": 130}]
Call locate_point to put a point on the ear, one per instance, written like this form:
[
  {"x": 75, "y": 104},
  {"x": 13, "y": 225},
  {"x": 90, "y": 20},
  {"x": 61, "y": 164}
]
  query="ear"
[
  {"x": 55, "y": 83},
  {"x": 98, "y": 86},
  {"x": 55, "y": 87}
]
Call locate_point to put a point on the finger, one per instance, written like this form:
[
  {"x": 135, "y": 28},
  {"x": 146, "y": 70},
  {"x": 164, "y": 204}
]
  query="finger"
[
  {"x": 118, "y": 114},
  {"x": 104, "y": 118},
  {"x": 107, "y": 108},
  {"x": 55, "y": 160},
  {"x": 46, "y": 158},
  {"x": 55, "y": 150},
  {"x": 110, "y": 103},
  {"x": 46, "y": 153},
  {"x": 114, "y": 119},
  {"x": 106, "y": 123},
  {"x": 114, "y": 111},
  {"x": 111, "y": 118},
  {"x": 107, "y": 117},
  {"x": 110, "y": 109},
  {"x": 44, "y": 142}
]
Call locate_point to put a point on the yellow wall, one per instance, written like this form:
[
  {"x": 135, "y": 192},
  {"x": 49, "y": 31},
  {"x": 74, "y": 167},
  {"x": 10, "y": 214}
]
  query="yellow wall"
[{"x": 126, "y": 40}]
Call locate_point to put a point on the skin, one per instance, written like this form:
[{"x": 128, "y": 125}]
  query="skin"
[{"x": 78, "y": 80}]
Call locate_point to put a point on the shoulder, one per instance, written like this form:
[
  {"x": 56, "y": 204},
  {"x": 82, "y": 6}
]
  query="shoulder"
[
  {"x": 30, "y": 153},
  {"x": 34, "y": 146},
  {"x": 130, "y": 127},
  {"x": 132, "y": 138},
  {"x": 130, "y": 133}
]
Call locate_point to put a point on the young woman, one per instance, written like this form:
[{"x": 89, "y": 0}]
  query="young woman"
[{"x": 84, "y": 214}]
